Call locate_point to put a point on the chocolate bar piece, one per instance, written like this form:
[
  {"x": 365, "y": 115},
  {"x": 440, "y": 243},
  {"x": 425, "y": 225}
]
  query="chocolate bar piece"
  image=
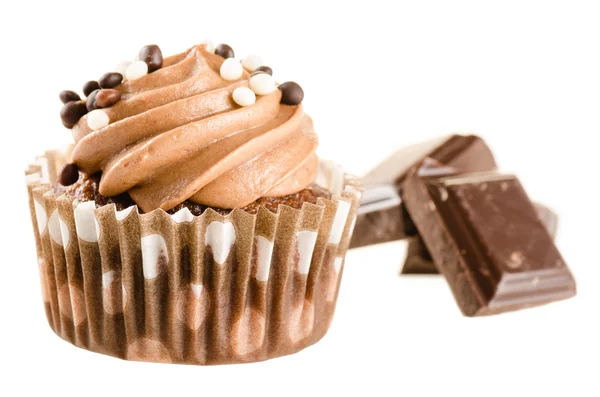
[
  {"x": 486, "y": 239},
  {"x": 419, "y": 261},
  {"x": 382, "y": 216}
]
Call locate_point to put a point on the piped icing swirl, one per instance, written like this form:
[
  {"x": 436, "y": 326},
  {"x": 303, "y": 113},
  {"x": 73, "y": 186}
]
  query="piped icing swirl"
[{"x": 177, "y": 134}]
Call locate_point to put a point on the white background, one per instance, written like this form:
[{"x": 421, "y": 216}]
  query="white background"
[{"x": 524, "y": 75}]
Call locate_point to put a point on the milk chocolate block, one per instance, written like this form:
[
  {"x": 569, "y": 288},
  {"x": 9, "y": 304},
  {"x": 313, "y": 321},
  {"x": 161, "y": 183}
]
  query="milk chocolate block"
[
  {"x": 382, "y": 216},
  {"x": 419, "y": 261},
  {"x": 486, "y": 239}
]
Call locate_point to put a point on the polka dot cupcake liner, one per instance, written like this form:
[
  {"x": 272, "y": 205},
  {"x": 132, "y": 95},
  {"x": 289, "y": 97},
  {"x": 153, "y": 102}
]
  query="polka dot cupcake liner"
[{"x": 207, "y": 289}]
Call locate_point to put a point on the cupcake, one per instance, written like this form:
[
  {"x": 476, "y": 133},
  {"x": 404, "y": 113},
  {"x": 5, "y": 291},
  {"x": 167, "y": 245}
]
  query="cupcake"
[{"x": 191, "y": 221}]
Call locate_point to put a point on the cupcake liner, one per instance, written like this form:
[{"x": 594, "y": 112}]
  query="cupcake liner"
[{"x": 207, "y": 289}]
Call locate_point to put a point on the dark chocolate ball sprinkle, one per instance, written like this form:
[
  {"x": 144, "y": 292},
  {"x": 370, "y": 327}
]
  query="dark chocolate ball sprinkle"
[
  {"x": 91, "y": 100},
  {"x": 225, "y": 51},
  {"x": 89, "y": 87},
  {"x": 68, "y": 175},
  {"x": 263, "y": 69},
  {"x": 71, "y": 112},
  {"x": 106, "y": 98},
  {"x": 152, "y": 55},
  {"x": 110, "y": 80},
  {"x": 291, "y": 93},
  {"x": 68, "y": 96}
]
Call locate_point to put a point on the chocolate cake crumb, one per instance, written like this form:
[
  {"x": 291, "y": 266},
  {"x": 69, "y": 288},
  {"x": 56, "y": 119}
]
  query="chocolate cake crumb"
[{"x": 87, "y": 186}]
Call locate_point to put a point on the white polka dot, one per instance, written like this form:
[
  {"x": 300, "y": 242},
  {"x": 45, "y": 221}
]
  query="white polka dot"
[
  {"x": 110, "y": 297},
  {"x": 72, "y": 303},
  {"x": 124, "y": 295},
  {"x": 337, "y": 263},
  {"x": 153, "y": 248},
  {"x": 64, "y": 231},
  {"x": 120, "y": 215},
  {"x": 183, "y": 215},
  {"x": 306, "y": 246},
  {"x": 108, "y": 278},
  {"x": 251, "y": 62},
  {"x": 302, "y": 320},
  {"x": 85, "y": 222},
  {"x": 97, "y": 119},
  {"x": 145, "y": 349},
  {"x": 248, "y": 333},
  {"x": 192, "y": 306},
  {"x": 220, "y": 237},
  {"x": 264, "y": 249},
  {"x": 352, "y": 225},
  {"x": 339, "y": 221},
  {"x": 196, "y": 289},
  {"x": 40, "y": 216},
  {"x": 54, "y": 228},
  {"x": 231, "y": 69}
]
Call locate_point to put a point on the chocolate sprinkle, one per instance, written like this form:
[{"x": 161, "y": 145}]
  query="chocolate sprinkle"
[
  {"x": 152, "y": 55},
  {"x": 225, "y": 51},
  {"x": 291, "y": 93},
  {"x": 106, "y": 98},
  {"x": 90, "y": 87},
  {"x": 68, "y": 175},
  {"x": 68, "y": 96},
  {"x": 110, "y": 80},
  {"x": 71, "y": 112},
  {"x": 91, "y": 100},
  {"x": 263, "y": 69}
]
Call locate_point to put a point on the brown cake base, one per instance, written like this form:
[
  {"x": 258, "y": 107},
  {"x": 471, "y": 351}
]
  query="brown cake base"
[{"x": 87, "y": 189}]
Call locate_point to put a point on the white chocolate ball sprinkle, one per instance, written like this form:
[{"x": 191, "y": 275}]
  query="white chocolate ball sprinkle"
[
  {"x": 210, "y": 46},
  {"x": 251, "y": 62},
  {"x": 97, "y": 119},
  {"x": 231, "y": 69},
  {"x": 122, "y": 67},
  {"x": 262, "y": 84},
  {"x": 244, "y": 96},
  {"x": 136, "y": 70}
]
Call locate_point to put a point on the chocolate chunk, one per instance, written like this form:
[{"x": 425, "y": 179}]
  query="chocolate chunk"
[
  {"x": 68, "y": 96},
  {"x": 263, "y": 69},
  {"x": 419, "y": 261},
  {"x": 106, "y": 98},
  {"x": 486, "y": 239},
  {"x": 468, "y": 153},
  {"x": 110, "y": 80},
  {"x": 224, "y": 51},
  {"x": 291, "y": 93},
  {"x": 91, "y": 100},
  {"x": 71, "y": 112},
  {"x": 68, "y": 175},
  {"x": 90, "y": 87},
  {"x": 152, "y": 55},
  {"x": 379, "y": 217}
]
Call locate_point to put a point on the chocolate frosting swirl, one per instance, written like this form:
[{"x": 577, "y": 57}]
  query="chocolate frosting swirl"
[{"x": 177, "y": 134}]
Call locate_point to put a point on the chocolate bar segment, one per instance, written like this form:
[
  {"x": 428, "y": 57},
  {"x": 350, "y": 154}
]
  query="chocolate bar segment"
[
  {"x": 419, "y": 261},
  {"x": 486, "y": 239},
  {"x": 463, "y": 152},
  {"x": 382, "y": 216}
]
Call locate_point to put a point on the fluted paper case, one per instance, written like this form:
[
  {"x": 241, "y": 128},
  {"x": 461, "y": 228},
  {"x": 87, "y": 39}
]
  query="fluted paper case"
[{"x": 207, "y": 289}]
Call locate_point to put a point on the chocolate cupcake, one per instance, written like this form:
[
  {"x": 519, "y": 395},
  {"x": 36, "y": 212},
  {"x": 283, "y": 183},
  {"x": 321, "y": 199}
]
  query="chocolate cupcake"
[{"x": 191, "y": 221}]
